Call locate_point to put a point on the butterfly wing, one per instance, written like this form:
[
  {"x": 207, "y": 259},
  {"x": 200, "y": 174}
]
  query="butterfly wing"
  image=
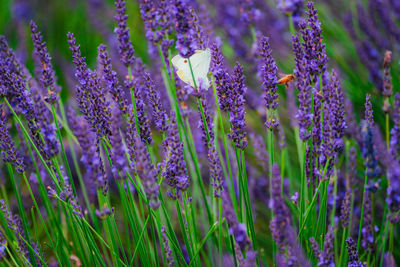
[
  {"x": 200, "y": 62},
  {"x": 201, "y": 65}
]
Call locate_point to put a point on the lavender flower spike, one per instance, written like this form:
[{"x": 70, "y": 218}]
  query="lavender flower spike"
[
  {"x": 159, "y": 115},
  {"x": 387, "y": 78},
  {"x": 237, "y": 114},
  {"x": 270, "y": 81},
  {"x": 281, "y": 220},
  {"x": 7, "y": 147},
  {"x": 186, "y": 42},
  {"x": 47, "y": 79},
  {"x": 393, "y": 193},
  {"x": 147, "y": 173},
  {"x": 353, "y": 254},
  {"x": 125, "y": 47},
  {"x": 110, "y": 78},
  {"x": 167, "y": 250},
  {"x": 174, "y": 167}
]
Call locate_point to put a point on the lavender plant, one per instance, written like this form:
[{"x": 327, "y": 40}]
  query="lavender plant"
[{"x": 120, "y": 157}]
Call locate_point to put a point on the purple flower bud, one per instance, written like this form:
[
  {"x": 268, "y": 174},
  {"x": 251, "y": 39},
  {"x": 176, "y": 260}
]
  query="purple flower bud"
[
  {"x": 237, "y": 114},
  {"x": 345, "y": 209},
  {"x": 7, "y": 147},
  {"x": 47, "y": 78},
  {"x": 353, "y": 254},
  {"x": 186, "y": 43},
  {"x": 159, "y": 115},
  {"x": 15, "y": 225},
  {"x": 147, "y": 173},
  {"x": 167, "y": 250},
  {"x": 89, "y": 93},
  {"x": 369, "y": 118},
  {"x": 281, "y": 220},
  {"x": 236, "y": 229},
  {"x": 291, "y": 7},
  {"x": 387, "y": 78},
  {"x": 104, "y": 213},
  {"x": 110, "y": 78},
  {"x": 270, "y": 81},
  {"x": 223, "y": 81},
  {"x": 118, "y": 157},
  {"x": 174, "y": 167},
  {"x": 303, "y": 84},
  {"x": 367, "y": 231},
  {"x": 13, "y": 78},
  {"x": 393, "y": 192},
  {"x": 125, "y": 47},
  {"x": 395, "y": 131},
  {"x": 90, "y": 152}
]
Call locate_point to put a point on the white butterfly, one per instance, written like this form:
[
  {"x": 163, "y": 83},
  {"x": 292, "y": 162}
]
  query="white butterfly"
[{"x": 200, "y": 62}]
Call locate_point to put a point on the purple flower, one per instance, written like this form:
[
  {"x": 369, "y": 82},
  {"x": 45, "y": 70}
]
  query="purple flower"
[
  {"x": 47, "y": 78},
  {"x": 251, "y": 259},
  {"x": 352, "y": 166},
  {"x": 118, "y": 157},
  {"x": 90, "y": 152},
  {"x": 313, "y": 47},
  {"x": 387, "y": 78},
  {"x": 167, "y": 250},
  {"x": 104, "y": 213},
  {"x": 130, "y": 138},
  {"x": 15, "y": 225},
  {"x": 367, "y": 231},
  {"x": 303, "y": 84},
  {"x": 213, "y": 159},
  {"x": 237, "y": 114},
  {"x": 137, "y": 85},
  {"x": 223, "y": 81},
  {"x": 351, "y": 129},
  {"x": 110, "y": 78},
  {"x": 326, "y": 256},
  {"x": 281, "y": 220},
  {"x": 369, "y": 152},
  {"x": 260, "y": 152},
  {"x": 186, "y": 43},
  {"x": 158, "y": 20},
  {"x": 7, "y": 147},
  {"x": 345, "y": 209},
  {"x": 174, "y": 167},
  {"x": 151, "y": 17},
  {"x": 68, "y": 196},
  {"x": 125, "y": 47},
  {"x": 147, "y": 173},
  {"x": 291, "y": 7},
  {"x": 393, "y": 192},
  {"x": 368, "y": 149},
  {"x": 159, "y": 115},
  {"x": 369, "y": 118},
  {"x": 269, "y": 72},
  {"x": 338, "y": 112},
  {"x": 14, "y": 88},
  {"x": 238, "y": 230},
  {"x": 395, "y": 131},
  {"x": 89, "y": 93},
  {"x": 353, "y": 254}
]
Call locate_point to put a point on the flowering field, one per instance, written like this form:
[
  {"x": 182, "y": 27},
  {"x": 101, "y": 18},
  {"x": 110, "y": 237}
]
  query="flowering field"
[{"x": 200, "y": 133}]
